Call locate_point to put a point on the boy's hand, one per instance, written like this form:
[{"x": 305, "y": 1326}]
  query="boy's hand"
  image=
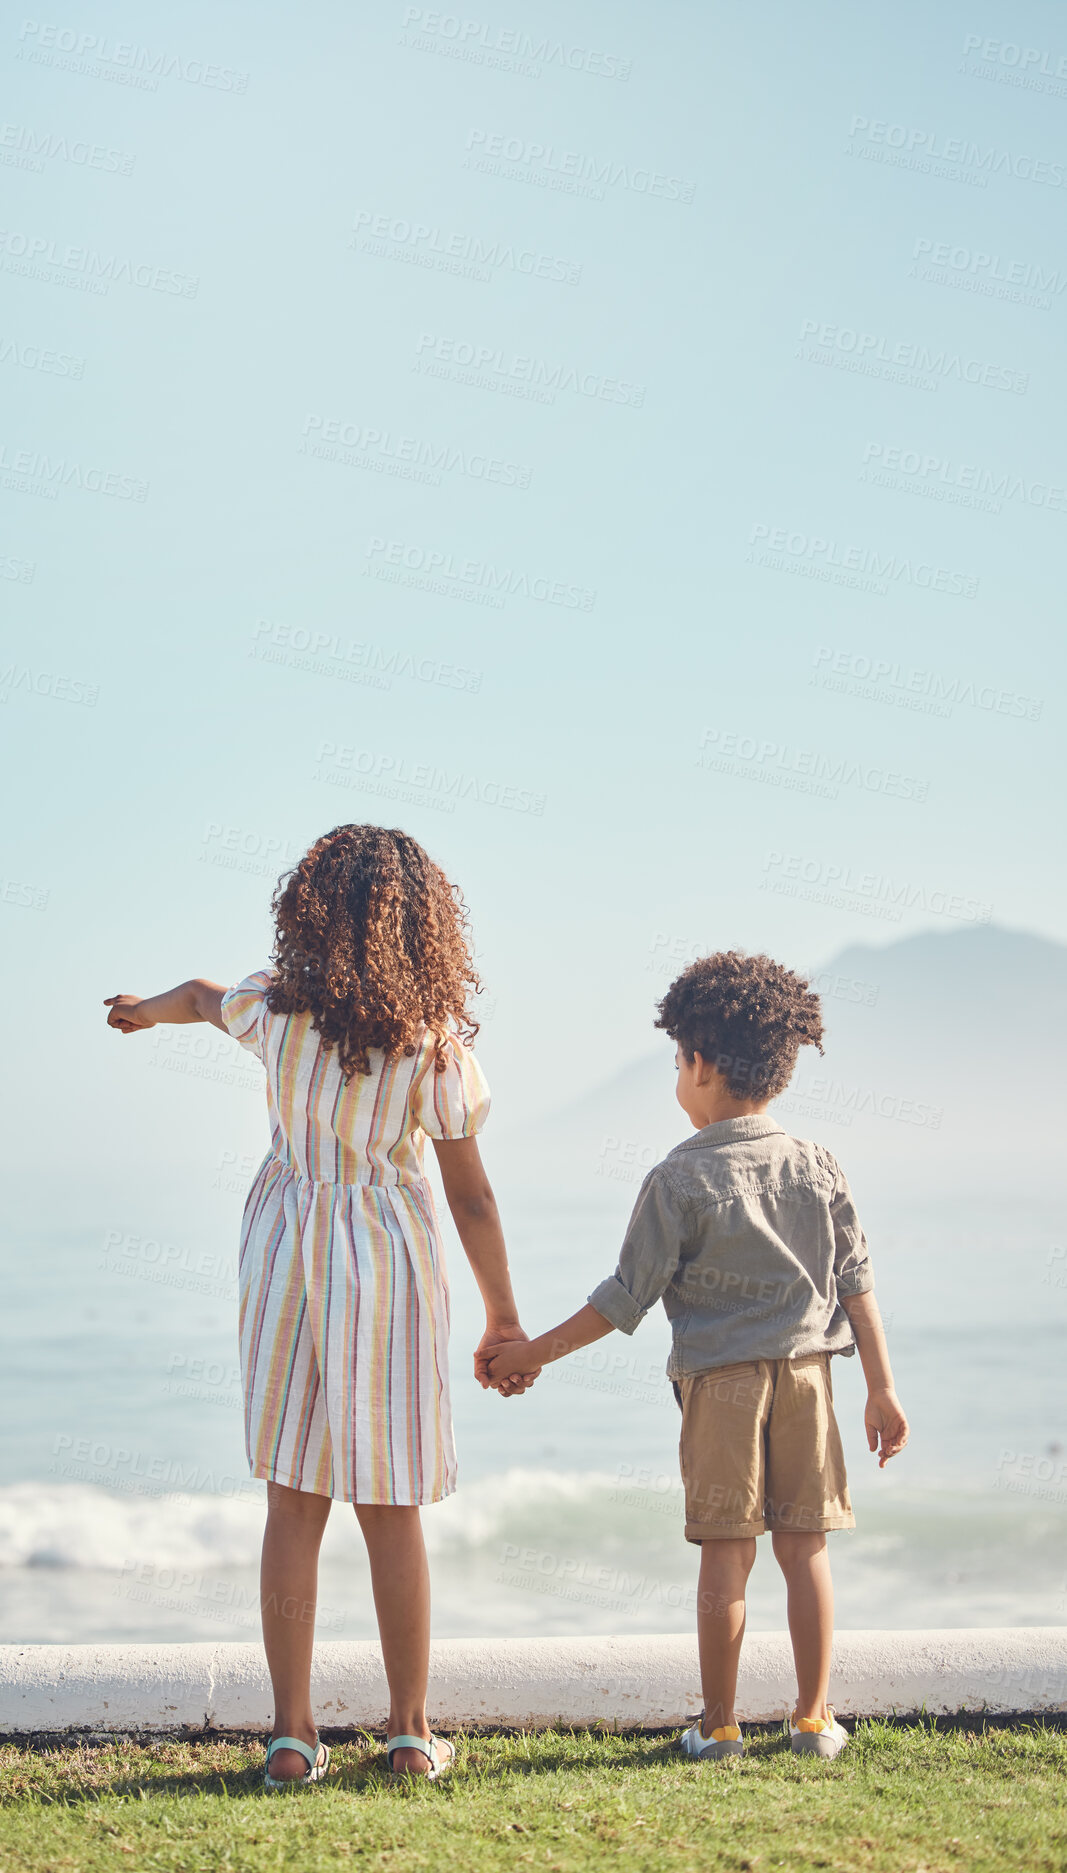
[
  {"x": 514, "y": 1361},
  {"x": 125, "y": 1014},
  {"x": 510, "y": 1337},
  {"x": 884, "y": 1419}
]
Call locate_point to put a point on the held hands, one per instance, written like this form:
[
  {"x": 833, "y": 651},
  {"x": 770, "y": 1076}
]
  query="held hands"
[
  {"x": 511, "y": 1376},
  {"x": 126, "y": 1014},
  {"x": 513, "y": 1364},
  {"x": 884, "y": 1420},
  {"x": 515, "y": 1360}
]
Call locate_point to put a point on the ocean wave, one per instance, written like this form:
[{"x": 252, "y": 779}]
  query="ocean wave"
[
  {"x": 78, "y": 1525},
  {"x": 481, "y": 1511},
  {"x": 81, "y": 1525},
  {"x": 577, "y": 1513}
]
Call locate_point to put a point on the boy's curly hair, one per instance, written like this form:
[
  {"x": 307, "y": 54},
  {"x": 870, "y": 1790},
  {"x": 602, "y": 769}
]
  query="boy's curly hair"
[
  {"x": 747, "y": 1016},
  {"x": 371, "y": 938}
]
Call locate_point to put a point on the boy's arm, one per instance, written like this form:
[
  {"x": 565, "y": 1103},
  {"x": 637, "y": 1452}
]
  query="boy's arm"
[
  {"x": 198, "y": 1000},
  {"x": 469, "y": 1196},
  {"x": 884, "y": 1417},
  {"x": 648, "y": 1262}
]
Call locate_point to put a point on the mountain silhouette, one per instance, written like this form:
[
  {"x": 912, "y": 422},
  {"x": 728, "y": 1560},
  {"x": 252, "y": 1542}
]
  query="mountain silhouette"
[{"x": 942, "y": 1076}]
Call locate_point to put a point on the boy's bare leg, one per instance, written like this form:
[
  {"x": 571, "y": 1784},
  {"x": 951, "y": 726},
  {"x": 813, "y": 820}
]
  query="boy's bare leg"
[
  {"x": 288, "y": 1582},
  {"x": 724, "y": 1570},
  {"x": 804, "y": 1561},
  {"x": 400, "y": 1578}
]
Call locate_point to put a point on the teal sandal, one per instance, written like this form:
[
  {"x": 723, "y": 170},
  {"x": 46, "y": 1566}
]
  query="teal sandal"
[
  {"x": 429, "y": 1745},
  {"x": 315, "y": 1770}
]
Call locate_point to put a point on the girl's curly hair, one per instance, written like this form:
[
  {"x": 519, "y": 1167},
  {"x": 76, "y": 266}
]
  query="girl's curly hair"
[
  {"x": 747, "y": 1016},
  {"x": 372, "y": 939}
]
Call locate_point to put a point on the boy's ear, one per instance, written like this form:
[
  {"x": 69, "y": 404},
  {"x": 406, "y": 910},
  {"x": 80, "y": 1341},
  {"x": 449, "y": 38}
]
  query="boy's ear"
[{"x": 702, "y": 1069}]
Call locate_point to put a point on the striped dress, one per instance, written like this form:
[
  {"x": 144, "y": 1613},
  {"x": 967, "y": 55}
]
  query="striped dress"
[{"x": 343, "y": 1291}]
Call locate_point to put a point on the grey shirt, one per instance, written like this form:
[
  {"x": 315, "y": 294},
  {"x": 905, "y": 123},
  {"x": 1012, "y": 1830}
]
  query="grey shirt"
[{"x": 749, "y": 1237}]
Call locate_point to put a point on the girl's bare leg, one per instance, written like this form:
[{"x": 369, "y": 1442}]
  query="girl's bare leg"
[
  {"x": 401, "y": 1581},
  {"x": 288, "y": 1586}
]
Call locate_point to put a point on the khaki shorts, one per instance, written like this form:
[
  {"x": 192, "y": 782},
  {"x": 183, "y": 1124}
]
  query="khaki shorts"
[{"x": 760, "y": 1449}]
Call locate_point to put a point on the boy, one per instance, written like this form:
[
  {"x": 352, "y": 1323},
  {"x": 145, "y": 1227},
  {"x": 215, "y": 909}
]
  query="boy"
[{"x": 750, "y": 1239}]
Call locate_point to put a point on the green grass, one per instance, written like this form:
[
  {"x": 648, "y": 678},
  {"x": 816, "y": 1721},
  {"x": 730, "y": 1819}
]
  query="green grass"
[{"x": 899, "y": 1800}]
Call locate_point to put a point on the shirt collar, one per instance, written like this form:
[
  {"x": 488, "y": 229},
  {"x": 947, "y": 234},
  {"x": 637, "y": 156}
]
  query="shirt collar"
[{"x": 733, "y": 1131}]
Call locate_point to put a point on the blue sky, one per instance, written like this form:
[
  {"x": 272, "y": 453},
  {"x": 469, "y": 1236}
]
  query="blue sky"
[{"x": 786, "y": 292}]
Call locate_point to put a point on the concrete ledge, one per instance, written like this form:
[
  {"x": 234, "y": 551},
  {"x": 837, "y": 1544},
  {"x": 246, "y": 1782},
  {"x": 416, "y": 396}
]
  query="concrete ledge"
[{"x": 532, "y": 1683}]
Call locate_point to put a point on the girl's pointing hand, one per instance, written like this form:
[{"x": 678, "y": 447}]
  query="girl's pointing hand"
[{"x": 126, "y": 1014}]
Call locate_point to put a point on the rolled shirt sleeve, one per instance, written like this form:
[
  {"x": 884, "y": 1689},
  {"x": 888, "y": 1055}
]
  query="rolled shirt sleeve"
[
  {"x": 650, "y": 1255},
  {"x": 852, "y": 1262}
]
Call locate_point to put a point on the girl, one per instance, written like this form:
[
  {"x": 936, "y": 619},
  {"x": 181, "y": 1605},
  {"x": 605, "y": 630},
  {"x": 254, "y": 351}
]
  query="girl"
[{"x": 362, "y": 1025}]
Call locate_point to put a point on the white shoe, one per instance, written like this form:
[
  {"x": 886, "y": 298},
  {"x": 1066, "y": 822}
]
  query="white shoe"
[
  {"x": 817, "y": 1736},
  {"x": 432, "y": 1747},
  {"x": 724, "y": 1742},
  {"x": 311, "y": 1752}
]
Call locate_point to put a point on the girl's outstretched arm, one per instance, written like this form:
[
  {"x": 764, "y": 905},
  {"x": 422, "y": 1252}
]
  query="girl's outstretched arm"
[
  {"x": 198, "y": 1000},
  {"x": 470, "y": 1198}
]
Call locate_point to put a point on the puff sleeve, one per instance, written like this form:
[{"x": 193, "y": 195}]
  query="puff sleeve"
[
  {"x": 244, "y": 1011},
  {"x": 455, "y": 1102}
]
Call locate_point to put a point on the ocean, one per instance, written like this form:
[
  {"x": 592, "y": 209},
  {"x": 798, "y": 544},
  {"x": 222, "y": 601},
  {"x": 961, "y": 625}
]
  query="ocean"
[{"x": 127, "y": 1513}]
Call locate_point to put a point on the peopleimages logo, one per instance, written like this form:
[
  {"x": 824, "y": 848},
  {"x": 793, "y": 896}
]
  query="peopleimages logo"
[
  {"x": 419, "y": 782},
  {"x": 448, "y": 568},
  {"x": 121, "y": 59},
  {"x": 425, "y": 245},
  {"x": 991, "y": 272},
  {"x": 858, "y": 1100},
  {"x": 31, "y": 255},
  {"x": 32, "y": 149},
  {"x": 41, "y": 358},
  {"x": 363, "y": 445},
  {"x": 913, "y": 148},
  {"x": 15, "y": 677},
  {"x": 18, "y": 571},
  {"x": 26, "y": 467},
  {"x": 902, "y": 361},
  {"x": 327, "y": 653},
  {"x": 884, "y": 675},
  {"x": 504, "y": 46},
  {"x": 490, "y": 367},
  {"x": 1016, "y": 57},
  {"x": 141, "y": 1471},
  {"x": 27, "y": 896},
  {"x": 962, "y": 482},
  {"x": 761, "y": 758},
  {"x": 822, "y": 557},
  {"x": 237, "y": 848},
  {"x": 551, "y": 166},
  {"x": 792, "y": 874}
]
